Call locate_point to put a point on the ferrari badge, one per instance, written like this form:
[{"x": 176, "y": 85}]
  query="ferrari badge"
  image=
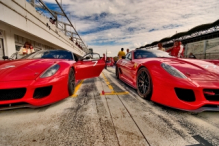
[{"x": 135, "y": 65}]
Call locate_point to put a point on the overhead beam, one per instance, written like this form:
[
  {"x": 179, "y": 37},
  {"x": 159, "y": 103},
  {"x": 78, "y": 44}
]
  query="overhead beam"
[
  {"x": 64, "y": 23},
  {"x": 69, "y": 20},
  {"x": 38, "y": 6},
  {"x": 47, "y": 9}
]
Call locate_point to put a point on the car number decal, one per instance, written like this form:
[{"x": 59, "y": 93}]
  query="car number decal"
[{"x": 95, "y": 63}]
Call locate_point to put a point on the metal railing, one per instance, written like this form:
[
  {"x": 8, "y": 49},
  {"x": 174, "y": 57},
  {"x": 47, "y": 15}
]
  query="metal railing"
[
  {"x": 214, "y": 55},
  {"x": 62, "y": 21}
]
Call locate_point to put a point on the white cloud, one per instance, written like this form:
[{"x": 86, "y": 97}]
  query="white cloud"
[{"x": 137, "y": 22}]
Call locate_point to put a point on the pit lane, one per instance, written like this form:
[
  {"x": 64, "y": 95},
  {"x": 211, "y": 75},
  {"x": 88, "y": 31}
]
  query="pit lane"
[{"x": 105, "y": 111}]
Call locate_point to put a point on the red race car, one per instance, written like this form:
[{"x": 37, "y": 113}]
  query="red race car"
[
  {"x": 44, "y": 77},
  {"x": 187, "y": 84}
]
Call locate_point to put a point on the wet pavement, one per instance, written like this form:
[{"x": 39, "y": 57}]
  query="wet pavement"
[{"x": 106, "y": 111}]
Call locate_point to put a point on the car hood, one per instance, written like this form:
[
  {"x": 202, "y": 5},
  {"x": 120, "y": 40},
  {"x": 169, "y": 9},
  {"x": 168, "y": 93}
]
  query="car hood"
[
  {"x": 28, "y": 69},
  {"x": 199, "y": 70}
]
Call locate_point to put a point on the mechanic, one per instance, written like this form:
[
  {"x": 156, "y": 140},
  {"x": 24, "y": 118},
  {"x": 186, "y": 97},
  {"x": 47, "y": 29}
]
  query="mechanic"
[
  {"x": 177, "y": 50},
  {"x": 160, "y": 47},
  {"x": 121, "y": 53}
]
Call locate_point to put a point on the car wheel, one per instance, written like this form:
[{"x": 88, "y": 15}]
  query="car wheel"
[
  {"x": 117, "y": 72},
  {"x": 144, "y": 84},
  {"x": 71, "y": 82}
]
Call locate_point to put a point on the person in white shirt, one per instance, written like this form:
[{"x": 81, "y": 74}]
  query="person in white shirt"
[
  {"x": 160, "y": 47},
  {"x": 26, "y": 49}
]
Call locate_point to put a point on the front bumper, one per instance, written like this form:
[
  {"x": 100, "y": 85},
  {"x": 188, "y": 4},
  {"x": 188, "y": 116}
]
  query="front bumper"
[
  {"x": 164, "y": 93},
  {"x": 59, "y": 91}
]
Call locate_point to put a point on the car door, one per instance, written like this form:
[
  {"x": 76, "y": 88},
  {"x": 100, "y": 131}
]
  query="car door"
[
  {"x": 89, "y": 66},
  {"x": 127, "y": 67}
]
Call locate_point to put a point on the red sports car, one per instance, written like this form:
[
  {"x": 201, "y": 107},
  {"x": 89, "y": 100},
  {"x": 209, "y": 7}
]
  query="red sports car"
[
  {"x": 44, "y": 77},
  {"x": 187, "y": 84}
]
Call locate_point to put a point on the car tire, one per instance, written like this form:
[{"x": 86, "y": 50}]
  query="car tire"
[
  {"x": 117, "y": 72},
  {"x": 144, "y": 84},
  {"x": 71, "y": 82}
]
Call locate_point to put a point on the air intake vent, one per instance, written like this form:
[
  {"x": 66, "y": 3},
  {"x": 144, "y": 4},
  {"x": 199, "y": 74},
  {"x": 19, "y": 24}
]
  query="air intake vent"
[
  {"x": 12, "y": 94},
  {"x": 211, "y": 94},
  {"x": 185, "y": 94},
  {"x": 42, "y": 92}
]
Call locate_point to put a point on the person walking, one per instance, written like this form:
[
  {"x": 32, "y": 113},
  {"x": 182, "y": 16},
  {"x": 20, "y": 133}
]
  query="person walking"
[
  {"x": 121, "y": 53},
  {"x": 160, "y": 47}
]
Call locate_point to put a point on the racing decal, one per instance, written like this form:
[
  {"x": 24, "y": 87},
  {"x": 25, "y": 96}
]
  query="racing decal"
[
  {"x": 123, "y": 63},
  {"x": 209, "y": 65},
  {"x": 95, "y": 63}
]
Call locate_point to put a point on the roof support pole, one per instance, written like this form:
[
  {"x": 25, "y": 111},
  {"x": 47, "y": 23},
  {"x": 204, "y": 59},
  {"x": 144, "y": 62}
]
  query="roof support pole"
[{"x": 205, "y": 46}]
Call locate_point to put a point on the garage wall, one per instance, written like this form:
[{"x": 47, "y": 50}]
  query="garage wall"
[
  {"x": 13, "y": 37},
  {"x": 21, "y": 15}
]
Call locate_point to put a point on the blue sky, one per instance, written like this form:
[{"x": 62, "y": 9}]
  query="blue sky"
[{"x": 113, "y": 24}]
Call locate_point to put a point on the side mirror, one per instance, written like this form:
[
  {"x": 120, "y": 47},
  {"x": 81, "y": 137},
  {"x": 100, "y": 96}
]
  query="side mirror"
[
  {"x": 123, "y": 57},
  {"x": 5, "y": 57}
]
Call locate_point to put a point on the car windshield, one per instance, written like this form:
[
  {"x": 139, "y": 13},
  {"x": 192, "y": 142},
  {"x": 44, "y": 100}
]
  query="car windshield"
[
  {"x": 139, "y": 54},
  {"x": 54, "y": 54}
]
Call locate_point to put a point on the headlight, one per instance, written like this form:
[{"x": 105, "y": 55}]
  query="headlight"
[
  {"x": 51, "y": 71},
  {"x": 173, "y": 71}
]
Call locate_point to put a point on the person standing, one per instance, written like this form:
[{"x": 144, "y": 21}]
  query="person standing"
[
  {"x": 121, "y": 53},
  {"x": 160, "y": 47},
  {"x": 127, "y": 51},
  {"x": 181, "y": 50},
  {"x": 26, "y": 49},
  {"x": 31, "y": 49},
  {"x": 177, "y": 50}
]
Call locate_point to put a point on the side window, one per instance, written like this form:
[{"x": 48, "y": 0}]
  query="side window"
[
  {"x": 87, "y": 57},
  {"x": 92, "y": 57},
  {"x": 96, "y": 56},
  {"x": 128, "y": 56}
]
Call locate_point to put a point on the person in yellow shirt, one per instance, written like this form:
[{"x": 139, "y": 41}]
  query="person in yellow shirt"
[{"x": 121, "y": 53}]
